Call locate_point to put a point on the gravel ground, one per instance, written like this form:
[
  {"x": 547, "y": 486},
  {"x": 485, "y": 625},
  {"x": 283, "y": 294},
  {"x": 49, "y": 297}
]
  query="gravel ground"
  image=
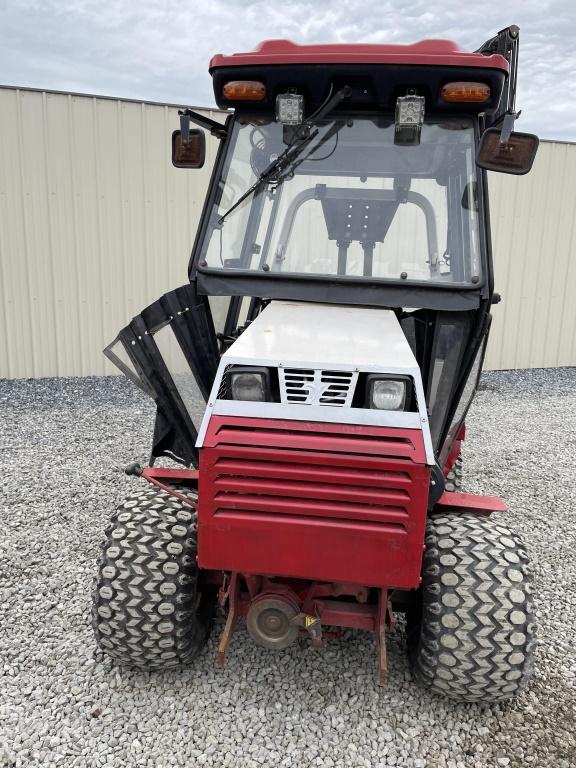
[{"x": 63, "y": 444}]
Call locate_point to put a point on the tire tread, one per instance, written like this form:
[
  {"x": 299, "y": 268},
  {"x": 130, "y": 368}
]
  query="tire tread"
[
  {"x": 473, "y": 638},
  {"x": 146, "y": 608},
  {"x": 454, "y": 476}
]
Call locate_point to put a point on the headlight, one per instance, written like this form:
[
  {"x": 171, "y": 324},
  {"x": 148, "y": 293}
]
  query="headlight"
[
  {"x": 387, "y": 394},
  {"x": 249, "y": 384}
]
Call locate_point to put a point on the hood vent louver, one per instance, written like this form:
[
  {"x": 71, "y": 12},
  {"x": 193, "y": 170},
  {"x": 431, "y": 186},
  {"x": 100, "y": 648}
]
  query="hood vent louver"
[{"x": 306, "y": 386}]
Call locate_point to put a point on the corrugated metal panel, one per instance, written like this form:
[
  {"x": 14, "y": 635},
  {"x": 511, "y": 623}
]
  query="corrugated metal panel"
[
  {"x": 534, "y": 245},
  {"x": 95, "y": 223}
]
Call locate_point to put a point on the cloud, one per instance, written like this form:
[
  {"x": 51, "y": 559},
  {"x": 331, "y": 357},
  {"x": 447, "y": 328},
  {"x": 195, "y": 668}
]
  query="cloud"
[{"x": 160, "y": 49}]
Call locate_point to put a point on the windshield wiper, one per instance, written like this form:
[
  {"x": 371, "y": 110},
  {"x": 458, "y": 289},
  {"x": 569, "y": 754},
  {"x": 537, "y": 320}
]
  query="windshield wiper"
[
  {"x": 332, "y": 131},
  {"x": 279, "y": 168},
  {"x": 275, "y": 168}
]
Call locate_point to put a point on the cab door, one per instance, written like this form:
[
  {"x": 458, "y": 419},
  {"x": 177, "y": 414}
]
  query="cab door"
[{"x": 170, "y": 351}]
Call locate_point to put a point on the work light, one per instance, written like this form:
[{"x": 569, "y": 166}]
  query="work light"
[
  {"x": 409, "y": 119},
  {"x": 386, "y": 393},
  {"x": 249, "y": 384},
  {"x": 289, "y": 108}
]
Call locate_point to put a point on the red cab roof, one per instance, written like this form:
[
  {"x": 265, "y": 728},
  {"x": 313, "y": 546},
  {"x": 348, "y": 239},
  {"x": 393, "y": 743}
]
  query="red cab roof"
[{"x": 427, "y": 52}]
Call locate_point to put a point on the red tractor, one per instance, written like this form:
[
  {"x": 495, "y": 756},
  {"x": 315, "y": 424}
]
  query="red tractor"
[{"x": 318, "y": 427}]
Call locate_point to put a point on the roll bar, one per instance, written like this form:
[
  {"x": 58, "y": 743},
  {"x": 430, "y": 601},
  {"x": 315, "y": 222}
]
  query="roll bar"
[{"x": 321, "y": 192}]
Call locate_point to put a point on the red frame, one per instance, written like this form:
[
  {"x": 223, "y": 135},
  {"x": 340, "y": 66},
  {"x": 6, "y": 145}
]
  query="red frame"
[
  {"x": 469, "y": 502},
  {"x": 427, "y": 52},
  {"x": 317, "y": 609}
]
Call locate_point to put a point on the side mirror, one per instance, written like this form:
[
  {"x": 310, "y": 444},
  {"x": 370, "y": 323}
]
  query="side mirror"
[
  {"x": 513, "y": 156},
  {"x": 191, "y": 153}
]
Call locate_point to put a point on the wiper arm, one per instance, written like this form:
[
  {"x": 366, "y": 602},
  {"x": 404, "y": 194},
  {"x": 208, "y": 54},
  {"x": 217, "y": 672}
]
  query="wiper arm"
[
  {"x": 274, "y": 168},
  {"x": 289, "y": 170},
  {"x": 278, "y": 166}
]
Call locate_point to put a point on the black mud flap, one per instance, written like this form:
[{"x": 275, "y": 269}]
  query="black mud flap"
[{"x": 170, "y": 351}]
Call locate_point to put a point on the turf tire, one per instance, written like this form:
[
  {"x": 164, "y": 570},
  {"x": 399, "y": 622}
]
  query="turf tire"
[
  {"x": 454, "y": 477},
  {"x": 147, "y": 610},
  {"x": 471, "y": 637}
]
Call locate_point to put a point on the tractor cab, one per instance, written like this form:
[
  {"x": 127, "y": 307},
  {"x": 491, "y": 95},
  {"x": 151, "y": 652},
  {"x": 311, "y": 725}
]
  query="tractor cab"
[
  {"x": 313, "y": 377},
  {"x": 348, "y": 175}
]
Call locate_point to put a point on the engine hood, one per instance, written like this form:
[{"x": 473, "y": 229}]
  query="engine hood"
[
  {"x": 292, "y": 333},
  {"x": 318, "y": 344}
]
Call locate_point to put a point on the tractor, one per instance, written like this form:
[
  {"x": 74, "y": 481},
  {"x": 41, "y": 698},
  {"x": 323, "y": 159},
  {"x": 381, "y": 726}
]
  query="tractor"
[{"x": 312, "y": 378}]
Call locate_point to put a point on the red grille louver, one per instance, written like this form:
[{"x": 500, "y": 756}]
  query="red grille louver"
[{"x": 316, "y": 501}]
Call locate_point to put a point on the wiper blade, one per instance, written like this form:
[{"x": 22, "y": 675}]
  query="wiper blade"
[{"x": 277, "y": 168}]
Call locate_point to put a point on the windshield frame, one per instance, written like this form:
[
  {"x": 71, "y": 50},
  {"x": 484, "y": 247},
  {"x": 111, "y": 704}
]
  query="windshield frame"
[{"x": 337, "y": 288}]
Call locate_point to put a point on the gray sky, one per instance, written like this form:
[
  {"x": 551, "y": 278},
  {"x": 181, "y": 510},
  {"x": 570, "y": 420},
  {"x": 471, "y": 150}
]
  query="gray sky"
[{"x": 160, "y": 49}]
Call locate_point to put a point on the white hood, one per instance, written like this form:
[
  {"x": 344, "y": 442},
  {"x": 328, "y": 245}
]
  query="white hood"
[
  {"x": 321, "y": 338},
  {"x": 324, "y": 336}
]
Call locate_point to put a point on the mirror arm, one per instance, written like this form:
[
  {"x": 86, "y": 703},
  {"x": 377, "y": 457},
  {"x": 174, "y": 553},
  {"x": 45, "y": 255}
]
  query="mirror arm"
[
  {"x": 507, "y": 119},
  {"x": 188, "y": 115},
  {"x": 508, "y": 125}
]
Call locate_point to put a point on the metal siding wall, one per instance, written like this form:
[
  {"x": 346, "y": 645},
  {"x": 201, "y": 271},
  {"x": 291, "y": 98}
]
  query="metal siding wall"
[
  {"x": 534, "y": 245},
  {"x": 95, "y": 223}
]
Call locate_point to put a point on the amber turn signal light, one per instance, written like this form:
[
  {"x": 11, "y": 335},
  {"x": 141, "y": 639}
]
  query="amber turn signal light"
[
  {"x": 244, "y": 90},
  {"x": 477, "y": 93}
]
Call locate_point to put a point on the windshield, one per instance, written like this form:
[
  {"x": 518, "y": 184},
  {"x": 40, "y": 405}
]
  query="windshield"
[{"x": 352, "y": 204}]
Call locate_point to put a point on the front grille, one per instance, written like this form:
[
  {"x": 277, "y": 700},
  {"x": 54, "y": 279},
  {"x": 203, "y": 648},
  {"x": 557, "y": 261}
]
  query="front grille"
[
  {"x": 315, "y": 489},
  {"x": 321, "y": 474},
  {"x": 316, "y": 501},
  {"x": 224, "y": 389},
  {"x": 307, "y": 386}
]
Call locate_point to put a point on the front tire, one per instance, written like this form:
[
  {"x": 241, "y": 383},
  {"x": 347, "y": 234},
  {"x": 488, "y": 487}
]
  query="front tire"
[
  {"x": 454, "y": 477},
  {"x": 147, "y": 609},
  {"x": 472, "y": 636}
]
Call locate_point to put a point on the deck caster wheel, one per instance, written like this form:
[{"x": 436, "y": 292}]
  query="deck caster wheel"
[
  {"x": 472, "y": 635},
  {"x": 147, "y": 610}
]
